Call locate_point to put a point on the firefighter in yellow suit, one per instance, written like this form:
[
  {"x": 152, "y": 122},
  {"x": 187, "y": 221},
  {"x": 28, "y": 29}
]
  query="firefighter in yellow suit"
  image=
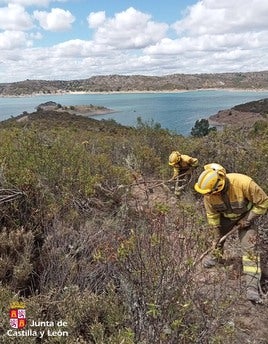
[
  {"x": 181, "y": 164},
  {"x": 230, "y": 199}
]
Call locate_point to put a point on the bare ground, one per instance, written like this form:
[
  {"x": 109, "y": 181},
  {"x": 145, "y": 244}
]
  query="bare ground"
[{"x": 237, "y": 119}]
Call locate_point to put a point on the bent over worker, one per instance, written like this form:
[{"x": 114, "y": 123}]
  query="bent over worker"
[
  {"x": 230, "y": 199},
  {"x": 181, "y": 164}
]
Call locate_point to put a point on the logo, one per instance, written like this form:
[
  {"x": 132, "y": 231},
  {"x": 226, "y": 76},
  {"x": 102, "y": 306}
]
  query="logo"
[{"x": 17, "y": 315}]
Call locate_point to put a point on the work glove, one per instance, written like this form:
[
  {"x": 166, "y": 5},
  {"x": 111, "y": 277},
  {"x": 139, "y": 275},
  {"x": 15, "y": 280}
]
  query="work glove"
[
  {"x": 247, "y": 221},
  {"x": 244, "y": 223}
]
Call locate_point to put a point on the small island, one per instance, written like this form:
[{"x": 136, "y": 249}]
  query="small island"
[{"x": 82, "y": 110}]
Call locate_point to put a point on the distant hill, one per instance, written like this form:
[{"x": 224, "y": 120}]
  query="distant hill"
[
  {"x": 141, "y": 83},
  {"x": 242, "y": 115}
]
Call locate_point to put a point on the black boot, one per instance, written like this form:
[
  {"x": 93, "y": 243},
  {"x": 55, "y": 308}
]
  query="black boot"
[
  {"x": 264, "y": 285},
  {"x": 253, "y": 295}
]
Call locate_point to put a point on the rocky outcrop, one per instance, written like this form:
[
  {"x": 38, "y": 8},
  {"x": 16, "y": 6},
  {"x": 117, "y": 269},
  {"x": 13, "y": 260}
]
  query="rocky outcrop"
[{"x": 243, "y": 115}]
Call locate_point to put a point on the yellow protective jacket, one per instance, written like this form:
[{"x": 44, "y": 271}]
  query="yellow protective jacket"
[
  {"x": 184, "y": 164},
  {"x": 242, "y": 195}
]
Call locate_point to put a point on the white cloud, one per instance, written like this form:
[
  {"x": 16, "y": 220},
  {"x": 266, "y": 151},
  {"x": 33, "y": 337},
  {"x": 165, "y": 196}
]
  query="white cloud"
[
  {"x": 128, "y": 30},
  {"x": 213, "y": 36},
  {"x": 56, "y": 20},
  {"x": 13, "y": 39},
  {"x": 79, "y": 48},
  {"x": 25, "y": 3},
  {"x": 215, "y": 17},
  {"x": 208, "y": 43},
  {"x": 96, "y": 19},
  {"x": 14, "y": 17},
  {"x": 219, "y": 36}
]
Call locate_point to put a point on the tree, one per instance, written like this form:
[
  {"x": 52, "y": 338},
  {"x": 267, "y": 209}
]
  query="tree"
[{"x": 201, "y": 128}]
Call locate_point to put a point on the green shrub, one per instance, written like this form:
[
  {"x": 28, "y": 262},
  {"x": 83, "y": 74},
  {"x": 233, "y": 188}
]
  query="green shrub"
[{"x": 86, "y": 243}]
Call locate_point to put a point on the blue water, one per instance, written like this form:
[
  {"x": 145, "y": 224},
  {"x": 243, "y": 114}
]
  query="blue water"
[{"x": 174, "y": 111}]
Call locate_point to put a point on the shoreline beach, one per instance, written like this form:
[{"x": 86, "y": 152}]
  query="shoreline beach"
[{"x": 36, "y": 94}]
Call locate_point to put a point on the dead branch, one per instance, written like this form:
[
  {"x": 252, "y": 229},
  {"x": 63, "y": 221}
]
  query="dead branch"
[
  {"x": 8, "y": 195},
  {"x": 222, "y": 239}
]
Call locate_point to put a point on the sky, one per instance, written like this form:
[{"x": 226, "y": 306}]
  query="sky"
[{"x": 78, "y": 39}]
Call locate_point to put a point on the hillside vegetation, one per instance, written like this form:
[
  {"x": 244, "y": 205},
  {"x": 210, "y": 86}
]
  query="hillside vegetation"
[
  {"x": 91, "y": 233},
  {"x": 124, "y": 83}
]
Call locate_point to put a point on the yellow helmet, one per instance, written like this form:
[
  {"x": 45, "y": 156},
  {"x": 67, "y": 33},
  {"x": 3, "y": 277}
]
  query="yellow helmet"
[
  {"x": 211, "y": 181},
  {"x": 174, "y": 158},
  {"x": 216, "y": 167}
]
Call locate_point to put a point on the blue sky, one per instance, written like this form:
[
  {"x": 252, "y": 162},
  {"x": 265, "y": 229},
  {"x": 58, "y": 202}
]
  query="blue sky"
[{"x": 77, "y": 39}]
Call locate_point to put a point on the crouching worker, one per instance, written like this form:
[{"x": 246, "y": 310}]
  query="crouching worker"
[
  {"x": 235, "y": 199},
  {"x": 182, "y": 167}
]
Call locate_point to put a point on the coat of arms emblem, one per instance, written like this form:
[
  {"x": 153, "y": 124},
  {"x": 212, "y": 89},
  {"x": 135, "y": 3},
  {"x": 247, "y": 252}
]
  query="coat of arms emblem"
[{"x": 17, "y": 315}]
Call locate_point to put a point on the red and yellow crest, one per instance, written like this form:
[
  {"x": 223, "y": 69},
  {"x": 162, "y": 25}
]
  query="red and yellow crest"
[{"x": 17, "y": 315}]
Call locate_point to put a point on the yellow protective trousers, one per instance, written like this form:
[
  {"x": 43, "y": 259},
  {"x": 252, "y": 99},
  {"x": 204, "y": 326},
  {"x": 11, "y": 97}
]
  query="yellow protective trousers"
[{"x": 251, "y": 258}]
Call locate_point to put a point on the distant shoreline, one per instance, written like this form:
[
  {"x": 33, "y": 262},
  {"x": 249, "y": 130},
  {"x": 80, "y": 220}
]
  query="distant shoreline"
[{"x": 134, "y": 92}]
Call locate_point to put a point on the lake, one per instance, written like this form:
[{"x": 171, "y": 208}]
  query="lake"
[{"x": 175, "y": 111}]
